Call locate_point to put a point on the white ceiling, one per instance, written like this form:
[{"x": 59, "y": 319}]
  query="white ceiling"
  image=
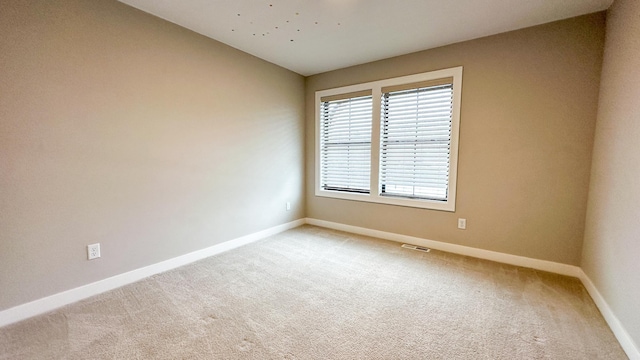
[{"x": 314, "y": 36}]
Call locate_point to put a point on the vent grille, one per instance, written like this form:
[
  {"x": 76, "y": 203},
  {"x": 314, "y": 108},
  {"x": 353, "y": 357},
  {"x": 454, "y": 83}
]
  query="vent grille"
[{"x": 415, "y": 247}]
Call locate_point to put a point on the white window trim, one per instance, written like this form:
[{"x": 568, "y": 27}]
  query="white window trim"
[{"x": 375, "y": 87}]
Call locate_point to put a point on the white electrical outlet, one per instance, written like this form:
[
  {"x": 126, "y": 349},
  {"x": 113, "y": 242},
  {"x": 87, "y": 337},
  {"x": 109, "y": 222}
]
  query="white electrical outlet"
[
  {"x": 462, "y": 224},
  {"x": 93, "y": 251},
  {"x": 288, "y": 206}
]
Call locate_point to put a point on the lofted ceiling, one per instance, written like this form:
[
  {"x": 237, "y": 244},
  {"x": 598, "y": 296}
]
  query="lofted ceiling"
[{"x": 314, "y": 36}]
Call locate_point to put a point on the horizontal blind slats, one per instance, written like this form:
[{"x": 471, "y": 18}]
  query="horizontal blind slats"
[
  {"x": 416, "y": 142},
  {"x": 345, "y": 140}
]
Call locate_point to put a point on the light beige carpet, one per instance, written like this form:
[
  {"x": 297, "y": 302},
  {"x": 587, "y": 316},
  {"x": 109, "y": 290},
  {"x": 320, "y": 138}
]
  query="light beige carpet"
[{"x": 311, "y": 293}]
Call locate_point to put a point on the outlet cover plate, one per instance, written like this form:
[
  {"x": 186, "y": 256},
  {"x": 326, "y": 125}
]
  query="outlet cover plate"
[{"x": 93, "y": 251}]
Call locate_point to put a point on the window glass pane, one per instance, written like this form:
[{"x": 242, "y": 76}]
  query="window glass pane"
[
  {"x": 416, "y": 142},
  {"x": 345, "y": 143}
]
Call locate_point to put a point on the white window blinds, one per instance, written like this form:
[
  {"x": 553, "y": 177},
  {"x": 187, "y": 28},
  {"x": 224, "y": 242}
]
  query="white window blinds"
[
  {"x": 345, "y": 142},
  {"x": 416, "y": 141}
]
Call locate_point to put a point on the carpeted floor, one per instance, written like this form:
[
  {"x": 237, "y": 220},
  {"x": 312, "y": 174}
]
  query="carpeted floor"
[{"x": 312, "y": 293}]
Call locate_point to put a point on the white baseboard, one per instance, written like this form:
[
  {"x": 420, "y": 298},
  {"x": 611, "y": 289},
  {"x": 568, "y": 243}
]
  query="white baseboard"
[
  {"x": 627, "y": 343},
  {"x": 550, "y": 266},
  {"x": 43, "y": 305}
]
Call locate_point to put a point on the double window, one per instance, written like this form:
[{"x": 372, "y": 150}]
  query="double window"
[{"x": 392, "y": 141}]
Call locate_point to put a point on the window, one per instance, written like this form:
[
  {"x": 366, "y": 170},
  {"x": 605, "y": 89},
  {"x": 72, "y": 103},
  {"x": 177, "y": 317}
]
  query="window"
[
  {"x": 392, "y": 141},
  {"x": 345, "y": 143},
  {"x": 415, "y": 142}
]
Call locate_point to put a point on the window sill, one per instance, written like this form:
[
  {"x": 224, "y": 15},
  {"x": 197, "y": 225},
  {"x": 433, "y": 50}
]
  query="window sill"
[{"x": 448, "y": 205}]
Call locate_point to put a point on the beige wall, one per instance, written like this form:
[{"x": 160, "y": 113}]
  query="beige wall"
[
  {"x": 529, "y": 106},
  {"x": 611, "y": 255},
  {"x": 120, "y": 128}
]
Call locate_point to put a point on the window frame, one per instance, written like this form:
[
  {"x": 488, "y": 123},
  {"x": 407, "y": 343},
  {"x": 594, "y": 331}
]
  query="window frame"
[{"x": 375, "y": 87}]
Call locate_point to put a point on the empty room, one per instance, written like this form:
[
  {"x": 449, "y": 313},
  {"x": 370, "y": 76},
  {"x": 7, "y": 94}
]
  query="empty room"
[{"x": 331, "y": 179}]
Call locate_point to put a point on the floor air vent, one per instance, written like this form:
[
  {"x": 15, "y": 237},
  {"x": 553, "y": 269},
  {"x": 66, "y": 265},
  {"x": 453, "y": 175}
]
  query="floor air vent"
[{"x": 414, "y": 247}]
